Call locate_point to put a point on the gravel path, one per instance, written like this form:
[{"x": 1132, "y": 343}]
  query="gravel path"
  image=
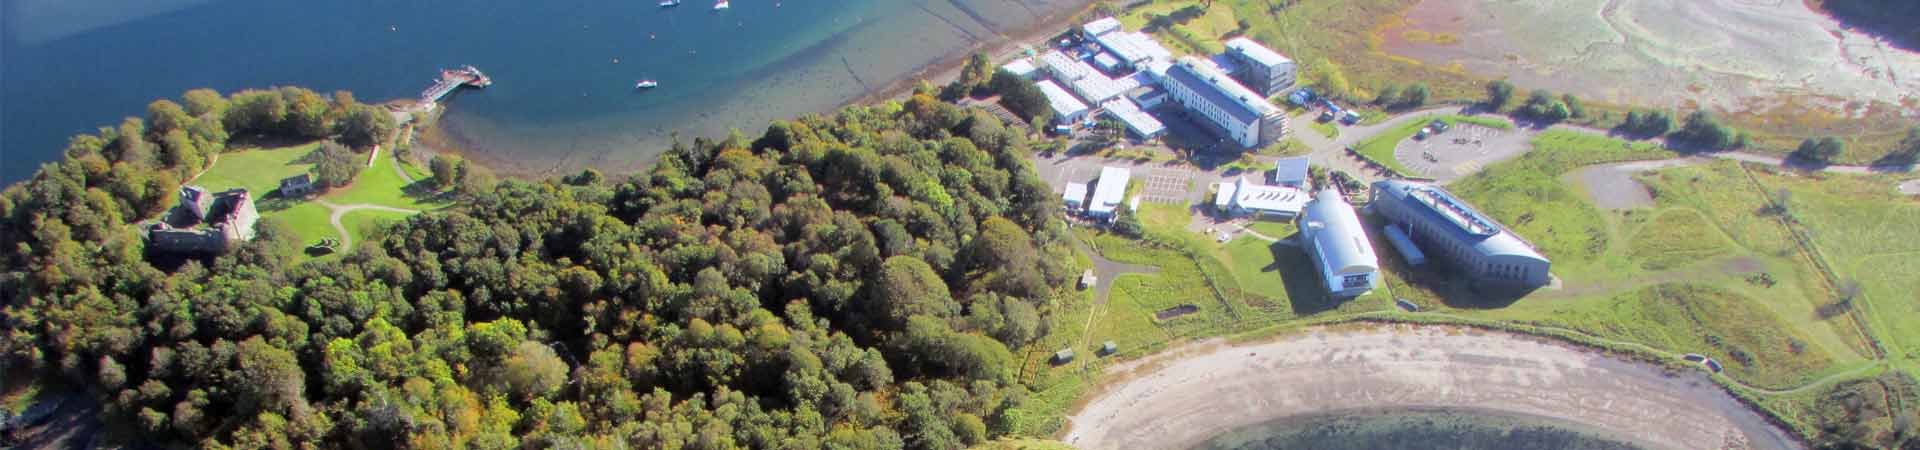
[
  {"x": 346, "y": 239},
  {"x": 1187, "y": 395}
]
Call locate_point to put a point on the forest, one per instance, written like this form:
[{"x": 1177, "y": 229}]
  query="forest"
[{"x": 846, "y": 281}]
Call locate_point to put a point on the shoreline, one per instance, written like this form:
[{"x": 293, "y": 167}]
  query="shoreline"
[
  {"x": 439, "y": 138},
  {"x": 1183, "y": 397}
]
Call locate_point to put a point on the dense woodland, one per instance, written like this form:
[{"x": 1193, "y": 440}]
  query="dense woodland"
[{"x": 846, "y": 281}]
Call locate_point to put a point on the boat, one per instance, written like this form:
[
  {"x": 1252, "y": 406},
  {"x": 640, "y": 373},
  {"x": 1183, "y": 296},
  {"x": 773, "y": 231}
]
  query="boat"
[
  {"x": 646, "y": 84},
  {"x": 722, "y": 4},
  {"x": 669, "y": 3}
]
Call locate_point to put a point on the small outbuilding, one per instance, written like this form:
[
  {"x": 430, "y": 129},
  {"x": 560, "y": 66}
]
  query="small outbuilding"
[
  {"x": 1063, "y": 356},
  {"x": 1108, "y": 348},
  {"x": 297, "y": 185}
]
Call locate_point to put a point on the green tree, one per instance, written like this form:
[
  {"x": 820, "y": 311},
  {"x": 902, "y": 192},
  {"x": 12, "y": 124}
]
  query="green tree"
[
  {"x": 1415, "y": 96},
  {"x": 1820, "y": 151},
  {"x": 534, "y": 371},
  {"x": 336, "y": 166},
  {"x": 366, "y": 125},
  {"x": 203, "y": 102},
  {"x": 1499, "y": 93}
]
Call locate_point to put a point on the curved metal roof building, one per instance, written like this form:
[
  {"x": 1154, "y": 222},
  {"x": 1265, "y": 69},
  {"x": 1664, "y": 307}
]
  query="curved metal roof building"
[
  {"x": 1451, "y": 229},
  {"x": 1339, "y": 245}
]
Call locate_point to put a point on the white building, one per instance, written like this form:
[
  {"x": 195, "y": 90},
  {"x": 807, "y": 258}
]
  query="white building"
[
  {"x": 1262, "y": 69},
  {"x": 1064, "y": 68},
  {"x": 1075, "y": 198},
  {"x": 1456, "y": 234},
  {"x": 1097, "y": 88},
  {"x": 1292, "y": 172},
  {"x": 1338, "y": 244},
  {"x": 1066, "y": 109},
  {"x": 1138, "y": 122},
  {"x": 1242, "y": 198},
  {"x": 1135, "y": 49},
  {"x": 1108, "y": 192},
  {"x": 1100, "y": 27},
  {"x": 1022, "y": 67},
  {"x": 1243, "y": 115}
]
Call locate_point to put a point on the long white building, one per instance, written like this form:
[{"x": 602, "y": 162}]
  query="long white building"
[
  {"x": 1447, "y": 228},
  {"x": 1334, "y": 237},
  {"x": 1108, "y": 192},
  {"x": 1243, "y": 115},
  {"x": 1066, "y": 109}
]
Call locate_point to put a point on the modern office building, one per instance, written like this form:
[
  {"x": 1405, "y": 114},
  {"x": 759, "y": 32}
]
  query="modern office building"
[
  {"x": 1260, "y": 68},
  {"x": 1108, "y": 192},
  {"x": 1245, "y": 117},
  {"x": 1244, "y": 198},
  {"x": 1449, "y": 229},
  {"x": 1333, "y": 236}
]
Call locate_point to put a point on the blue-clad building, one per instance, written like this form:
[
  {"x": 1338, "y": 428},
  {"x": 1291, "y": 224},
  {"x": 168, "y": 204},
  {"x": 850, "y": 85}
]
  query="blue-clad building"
[{"x": 1449, "y": 230}]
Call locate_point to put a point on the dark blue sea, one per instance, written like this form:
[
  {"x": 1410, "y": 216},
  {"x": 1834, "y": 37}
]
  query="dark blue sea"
[{"x": 564, "y": 70}]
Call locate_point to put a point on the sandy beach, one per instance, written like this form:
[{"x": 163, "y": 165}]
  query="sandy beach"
[{"x": 1182, "y": 397}]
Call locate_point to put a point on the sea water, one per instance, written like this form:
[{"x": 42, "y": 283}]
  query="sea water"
[{"x": 564, "y": 70}]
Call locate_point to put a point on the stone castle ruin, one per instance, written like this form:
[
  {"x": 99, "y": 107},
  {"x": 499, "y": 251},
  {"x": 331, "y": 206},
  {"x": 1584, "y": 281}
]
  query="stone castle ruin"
[{"x": 205, "y": 222}]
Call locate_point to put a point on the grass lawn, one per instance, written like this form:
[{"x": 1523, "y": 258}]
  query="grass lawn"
[
  {"x": 1529, "y": 196},
  {"x": 1865, "y": 232},
  {"x": 1166, "y": 217},
  {"x": 258, "y": 171},
  {"x": 382, "y": 185},
  {"x": 308, "y": 220},
  {"x": 364, "y": 223},
  {"x": 1196, "y": 36}
]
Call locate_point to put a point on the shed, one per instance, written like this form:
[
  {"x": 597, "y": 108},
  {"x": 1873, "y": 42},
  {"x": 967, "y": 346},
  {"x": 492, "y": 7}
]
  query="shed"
[
  {"x": 1291, "y": 172},
  {"x": 1404, "y": 245},
  {"x": 1063, "y": 356},
  {"x": 1075, "y": 197},
  {"x": 1087, "y": 279},
  {"x": 1108, "y": 348}
]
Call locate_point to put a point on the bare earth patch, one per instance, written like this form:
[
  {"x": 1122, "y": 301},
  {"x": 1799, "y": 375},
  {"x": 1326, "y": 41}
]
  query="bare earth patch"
[
  {"x": 1611, "y": 186},
  {"x": 1911, "y": 187},
  {"x": 1728, "y": 54},
  {"x": 1186, "y": 396}
]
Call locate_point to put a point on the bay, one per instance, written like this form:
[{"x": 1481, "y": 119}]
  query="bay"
[
  {"x": 1416, "y": 428},
  {"x": 564, "y": 70}
]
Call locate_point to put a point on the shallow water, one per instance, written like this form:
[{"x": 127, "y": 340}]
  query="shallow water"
[
  {"x": 563, "y": 69},
  {"x": 1416, "y": 429}
]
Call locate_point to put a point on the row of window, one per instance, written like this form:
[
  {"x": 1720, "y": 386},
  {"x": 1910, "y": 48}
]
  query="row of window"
[{"x": 1457, "y": 251}]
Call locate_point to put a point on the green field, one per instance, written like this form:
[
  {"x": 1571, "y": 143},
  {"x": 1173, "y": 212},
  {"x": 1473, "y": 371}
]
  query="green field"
[
  {"x": 1529, "y": 196},
  {"x": 1196, "y": 36},
  {"x": 258, "y": 171}
]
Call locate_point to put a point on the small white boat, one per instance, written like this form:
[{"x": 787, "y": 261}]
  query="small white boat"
[
  {"x": 722, "y": 4},
  {"x": 646, "y": 84},
  {"x": 669, "y": 3}
]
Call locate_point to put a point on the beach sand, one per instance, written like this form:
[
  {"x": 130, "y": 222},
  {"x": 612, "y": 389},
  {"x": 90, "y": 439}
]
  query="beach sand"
[{"x": 1183, "y": 397}]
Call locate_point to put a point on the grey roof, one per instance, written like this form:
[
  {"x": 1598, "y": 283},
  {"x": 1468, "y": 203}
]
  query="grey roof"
[
  {"x": 1256, "y": 52},
  {"x": 1337, "y": 234},
  {"x": 1435, "y": 206},
  {"x": 1108, "y": 190},
  {"x": 1063, "y": 103},
  {"x": 1219, "y": 89},
  {"x": 1294, "y": 168}
]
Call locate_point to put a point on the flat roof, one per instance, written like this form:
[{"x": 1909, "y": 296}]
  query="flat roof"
[
  {"x": 1065, "y": 67},
  {"x": 1106, "y": 60},
  {"x": 1021, "y": 67},
  {"x": 1291, "y": 169},
  {"x": 1134, "y": 46},
  {"x": 1259, "y": 197},
  {"x": 1130, "y": 114},
  {"x": 1076, "y": 192},
  {"x": 1101, "y": 26},
  {"x": 1063, "y": 103},
  {"x": 1219, "y": 89},
  {"x": 1254, "y": 51},
  {"x": 1110, "y": 189},
  {"x": 1098, "y": 88}
]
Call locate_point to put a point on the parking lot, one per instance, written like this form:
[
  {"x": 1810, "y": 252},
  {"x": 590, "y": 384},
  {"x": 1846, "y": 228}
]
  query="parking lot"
[{"x": 1459, "y": 152}]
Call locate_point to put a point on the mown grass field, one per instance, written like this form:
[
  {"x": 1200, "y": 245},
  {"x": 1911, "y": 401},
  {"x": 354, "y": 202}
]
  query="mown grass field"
[{"x": 259, "y": 171}]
